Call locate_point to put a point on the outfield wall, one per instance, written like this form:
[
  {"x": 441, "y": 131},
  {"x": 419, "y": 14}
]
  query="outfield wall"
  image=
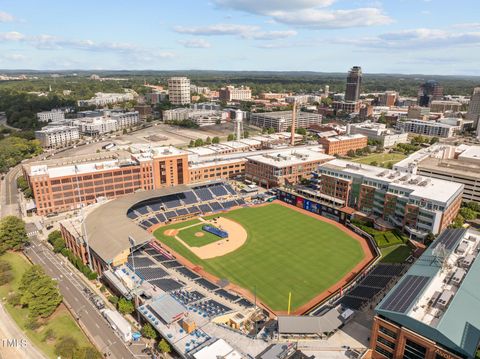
[{"x": 296, "y": 200}]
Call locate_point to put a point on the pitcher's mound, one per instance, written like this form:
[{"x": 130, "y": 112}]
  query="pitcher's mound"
[
  {"x": 199, "y": 234},
  {"x": 171, "y": 232}
]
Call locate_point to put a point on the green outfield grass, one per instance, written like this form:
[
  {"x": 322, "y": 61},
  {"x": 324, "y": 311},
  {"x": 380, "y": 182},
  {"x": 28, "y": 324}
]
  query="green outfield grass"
[
  {"x": 188, "y": 236},
  {"x": 286, "y": 251}
]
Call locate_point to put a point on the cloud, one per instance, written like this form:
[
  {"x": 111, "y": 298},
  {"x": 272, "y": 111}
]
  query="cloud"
[
  {"x": 243, "y": 31},
  {"x": 196, "y": 43},
  {"x": 416, "y": 39},
  {"x": 332, "y": 19},
  {"x": 265, "y": 7},
  {"x": 310, "y": 13},
  {"x": 14, "y": 57},
  {"x": 6, "y": 17},
  {"x": 11, "y": 36}
]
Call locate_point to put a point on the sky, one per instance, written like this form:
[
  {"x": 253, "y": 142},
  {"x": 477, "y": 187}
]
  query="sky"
[{"x": 439, "y": 37}]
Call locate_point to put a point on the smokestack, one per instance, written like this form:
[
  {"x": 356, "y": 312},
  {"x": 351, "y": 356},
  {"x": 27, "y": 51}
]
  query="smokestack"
[{"x": 294, "y": 119}]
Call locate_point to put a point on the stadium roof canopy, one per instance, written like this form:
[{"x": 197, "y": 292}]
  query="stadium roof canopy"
[
  {"x": 107, "y": 227},
  {"x": 328, "y": 322}
]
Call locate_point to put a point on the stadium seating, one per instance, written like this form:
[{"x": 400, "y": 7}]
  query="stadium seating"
[
  {"x": 155, "y": 206},
  {"x": 166, "y": 284},
  {"x": 131, "y": 214},
  {"x": 187, "y": 297},
  {"x": 187, "y": 273},
  {"x": 171, "y": 201},
  {"x": 161, "y": 217},
  {"x": 230, "y": 189},
  {"x": 218, "y": 190},
  {"x": 188, "y": 197},
  {"x": 216, "y": 206},
  {"x": 149, "y": 273},
  {"x": 171, "y": 264},
  {"x": 193, "y": 209},
  {"x": 182, "y": 211},
  {"x": 142, "y": 209},
  {"x": 153, "y": 220},
  {"x": 204, "y": 194},
  {"x": 207, "y": 284},
  {"x": 139, "y": 261},
  {"x": 223, "y": 293},
  {"x": 205, "y": 208},
  {"x": 171, "y": 214},
  {"x": 210, "y": 307}
]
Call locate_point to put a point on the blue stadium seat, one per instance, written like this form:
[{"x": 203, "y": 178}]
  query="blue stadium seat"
[
  {"x": 218, "y": 190},
  {"x": 216, "y": 206},
  {"x": 188, "y": 197},
  {"x": 161, "y": 217},
  {"x": 205, "y": 208},
  {"x": 230, "y": 189},
  {"x": 203, "y": 193},
  {"x": 131, "y": 214}
]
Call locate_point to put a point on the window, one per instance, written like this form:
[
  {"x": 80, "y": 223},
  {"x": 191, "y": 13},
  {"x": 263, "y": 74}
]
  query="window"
[
  {"x": 384, "y": 352},
  {"x": 413, "y": 350},
  {"x": 387, "y": 332},
  {"x": 386, "y": 342}
]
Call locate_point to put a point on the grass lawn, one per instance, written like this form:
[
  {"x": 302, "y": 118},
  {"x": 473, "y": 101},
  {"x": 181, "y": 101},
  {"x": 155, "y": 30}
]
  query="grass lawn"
[
  {"x": 395, "y": 254},
  {"x": 382, "y": 159},
  {"x": 384, "y": 238},
  {"x": 285, "y": 251},
  {"x": 188, "y": 236},
  {"x": 61, "y": 322}
]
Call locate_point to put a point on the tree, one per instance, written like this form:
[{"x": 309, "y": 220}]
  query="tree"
[
  {"x": 208, "y": 141},
  {"x": 270, "y": 130},
  {"x": 468, "y": 214},
  {"x": 125, "y": 306},
  {"x": 246, "y": 134},
  {"x": 433, "y": 140},
  {"x": 192, "y": 143},
  {"x": 66, "y": 347},
  {"x": 198, "y": 142},
  {"x": 351, "y": 153},
  {"x": 39, "y": 293},
  {"x": 458, "y": 222},
  {"x": 374, "y": 163},
  {"x": 5, "y": 272},
  {"x": 216, "y": 139},
  {"x": 12, "y": 234},
  {"x": 56, "y": 240},
  {"x": 301, "y": 131},
  {"x": 149, "y": 332},
  {"x": 429, "y": 238},
  {"x": 230, "y": 137},
  {"x": 87, "y": 353},
  {"x": 164, "y": 347}
]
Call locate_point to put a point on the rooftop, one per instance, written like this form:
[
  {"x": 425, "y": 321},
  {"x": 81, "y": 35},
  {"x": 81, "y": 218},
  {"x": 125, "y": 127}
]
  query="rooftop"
[
  {"x": 421, "y": 187},
  {"x": 344, "y": 137},
  {"x": 437, "y": 296},
  {"x": 290, "y": 157}
]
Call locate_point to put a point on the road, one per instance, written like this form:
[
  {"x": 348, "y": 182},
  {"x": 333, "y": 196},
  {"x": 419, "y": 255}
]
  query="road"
[
  {"x": 8, "y": 331},
  {"x": 71, "y": 286},
  {"x": 9, "y": 196}
]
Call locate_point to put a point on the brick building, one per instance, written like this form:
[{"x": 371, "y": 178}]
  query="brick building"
[{"x": 340, "y": 145}]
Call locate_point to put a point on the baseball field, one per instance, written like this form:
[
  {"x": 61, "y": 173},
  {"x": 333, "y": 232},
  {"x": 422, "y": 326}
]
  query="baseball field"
[{"x": 285, "y": 251}]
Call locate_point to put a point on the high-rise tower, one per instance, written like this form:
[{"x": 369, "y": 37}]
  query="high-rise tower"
[{"x": 354, "y": 82}]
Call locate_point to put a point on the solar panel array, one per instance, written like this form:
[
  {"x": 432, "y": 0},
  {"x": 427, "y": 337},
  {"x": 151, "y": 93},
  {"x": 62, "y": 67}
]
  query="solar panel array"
[
  {"x": 405, "y": 293},
  {"x": 450, "y": 237}
]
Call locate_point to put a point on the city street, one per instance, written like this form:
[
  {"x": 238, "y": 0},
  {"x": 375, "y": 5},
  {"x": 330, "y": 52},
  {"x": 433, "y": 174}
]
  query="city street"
[{"x": 71, "y": 286}]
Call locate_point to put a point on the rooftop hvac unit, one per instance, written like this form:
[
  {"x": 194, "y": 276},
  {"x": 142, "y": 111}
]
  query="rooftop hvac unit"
[{"x": 425, "y": 182}]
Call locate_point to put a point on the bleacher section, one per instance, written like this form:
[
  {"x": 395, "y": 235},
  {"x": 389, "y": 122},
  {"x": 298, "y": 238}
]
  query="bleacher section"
[
  {"x": 374, "y": 283},
  {"x": 201, "y": 199},
  {"x": 210, "y": 308}
]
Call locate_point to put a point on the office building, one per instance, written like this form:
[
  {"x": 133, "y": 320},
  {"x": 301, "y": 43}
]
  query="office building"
[
  {"x": 51, "y": 116},
  {"x": 459, "y": 164},
  {"x": 354, "y": 84},
  {"x": 280, "y": 121},
  {"x": 57, "y": 136},
  {"x": 432, "y": 312},
  {"x": 340, "y": 145},
  {"x": 416, "y": 112},
  {"x": 179, "y": 90},
  {"x": 379, "y": 132},
  {"x": 428, "y": 92},
  {"x": 347, "y": 107},
  {"x": 443, "y": 106},
  {"x": 286, "y": 167},
  {"x": 231, "y": 93},
  {"x": 416, "y": 204},
  {"x": 473, "y": 113},
  {"x": 388, "y": 98},
  {"x": 429, "y": 128}
]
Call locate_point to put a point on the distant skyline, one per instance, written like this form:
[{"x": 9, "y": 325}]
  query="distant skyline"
[{"x": 402, "y": 36}]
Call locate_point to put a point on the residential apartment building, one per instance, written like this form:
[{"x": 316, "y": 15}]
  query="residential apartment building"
[
  {"x": 231, "y": 93},
  {"x": 179, "y": 90},
  {"x": 432, "y": 312},
  {"x": 201, "y": 117},
  {"x": 51, "y": 116},
  {"x": 94, "y": 125},
  {"x": 429, "y": 128},
  {"x": 125, "y": 119},
  {"x": 416, "y": 204},
  {"x": 378, "y": 132},
  {"x": 340, "y": 145},
  {"x": 285, "y": 167},
  {"x": 280, "y": 121},
  {"x": 103, "y": 99},
  {"x": 57, "y": 136}
]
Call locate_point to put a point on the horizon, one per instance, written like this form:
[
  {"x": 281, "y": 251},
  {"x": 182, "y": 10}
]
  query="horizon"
[{"x": 409, "y": 37}]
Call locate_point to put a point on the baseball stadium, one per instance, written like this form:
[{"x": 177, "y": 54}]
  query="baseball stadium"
[{"x": 281, "y": 257}]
